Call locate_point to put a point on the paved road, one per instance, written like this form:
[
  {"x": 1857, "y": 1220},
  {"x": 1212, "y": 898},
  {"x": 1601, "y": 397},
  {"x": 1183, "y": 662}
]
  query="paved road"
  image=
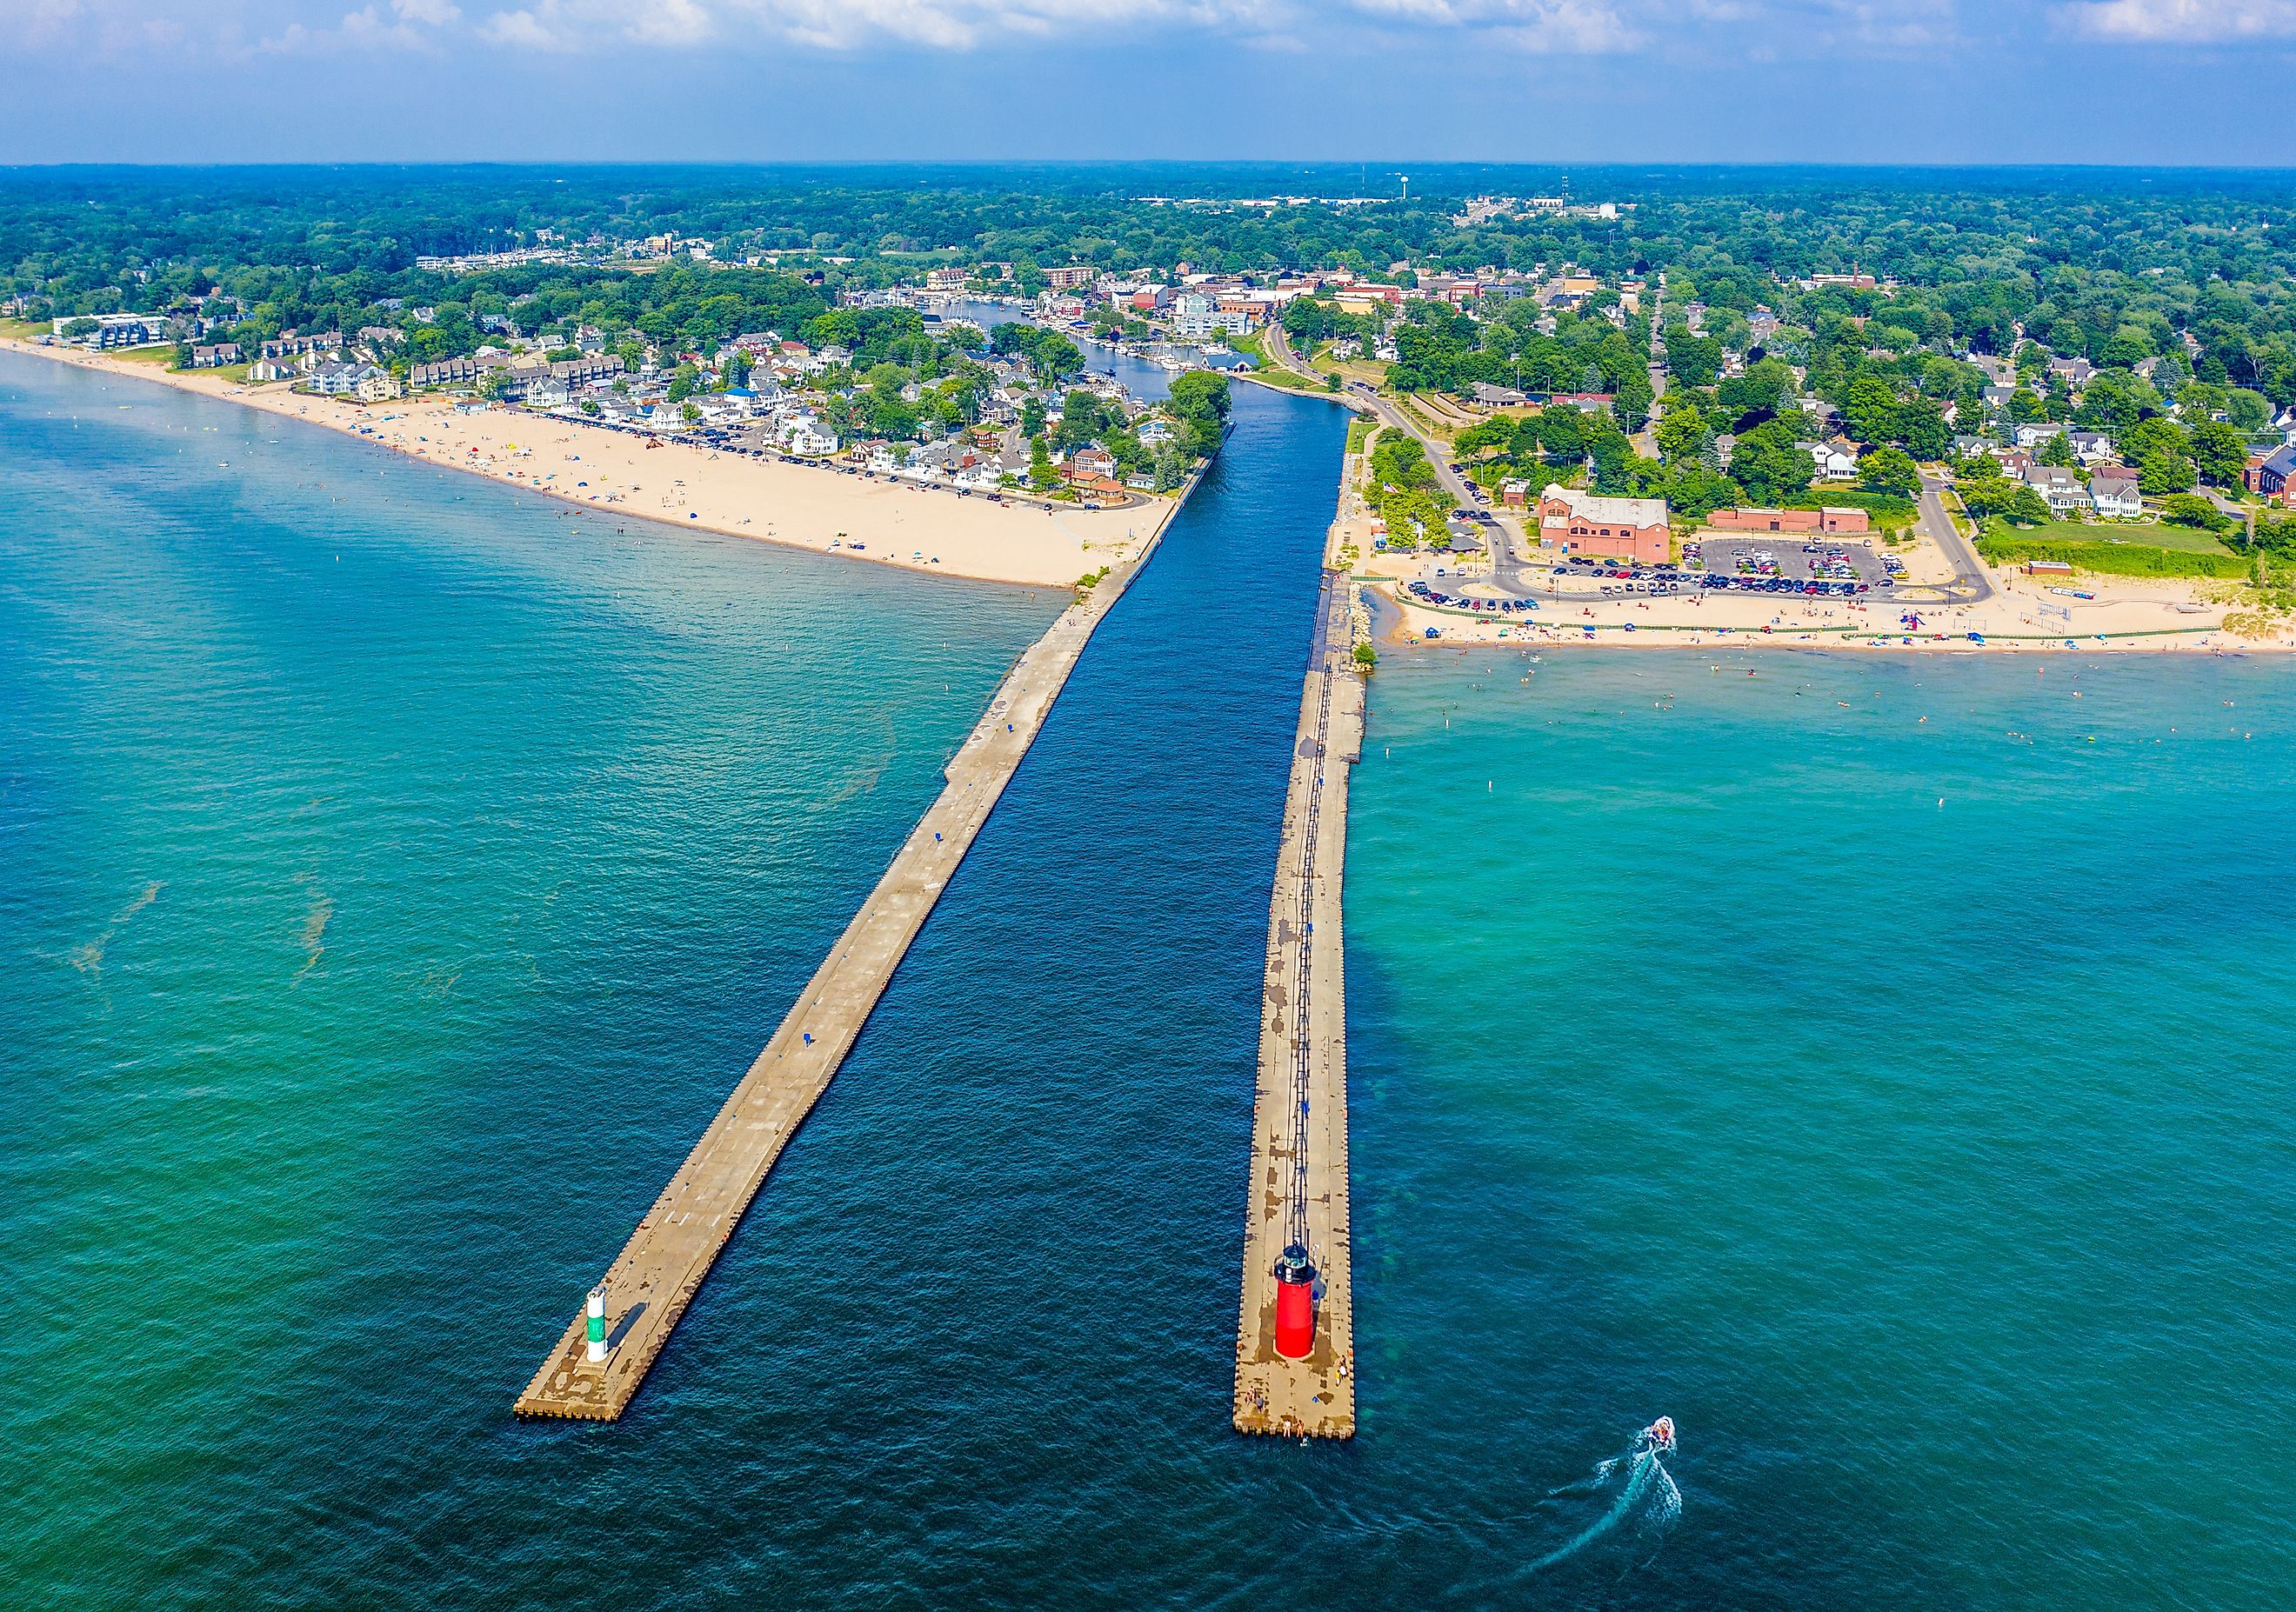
[
  {"x": 1509, "y": 574},
  {"x": 1971, "y": 584}
]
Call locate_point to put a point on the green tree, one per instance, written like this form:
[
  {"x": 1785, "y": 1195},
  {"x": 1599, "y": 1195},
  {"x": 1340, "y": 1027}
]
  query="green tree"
[
  {"x": 2191, "y": 509},
  {"x": 2220, "y": 453},
  {"x": 1199, "y": 401},
  {"x": 1632, "y": 401},
  {"x": 1770, "y": 464},
  {"x": 2160, "y": 474},
  {"x": 1681, "y": 431},
  {"x": 2025, "y": 507},
  {"x": 2249, "y": 411},
  {"x": 1889, "y": 469}
]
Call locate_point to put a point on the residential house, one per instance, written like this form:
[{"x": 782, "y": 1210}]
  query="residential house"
[
  {"x": 2060, "y": 489},
  {"x": 807, "y": 437},
  {"x": 1088, "y": 461},
  {"x": 214, "y": 357},
  {"x": 2077, "y": 372},
  {"x": 2115, "y": 496},
  {"x": 1834, "y": 461},
  {"x": 273, "y": 369},
  {"x": 2036, "y": 432},
  {"x": 945, "y": 279},
  {"x": 2090, "y": 447},
  {"x": 1628, "y": 528},
  {"x": 1497, "y": 397},
  {"x": 378, "y": 385}
]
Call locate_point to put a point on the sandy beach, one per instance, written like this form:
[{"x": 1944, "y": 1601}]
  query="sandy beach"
[
  {"x": 806, "y": 506},
  {"x": 2126, "y": 616}
]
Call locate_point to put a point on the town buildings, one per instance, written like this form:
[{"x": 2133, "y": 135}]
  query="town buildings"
[{"x": 1586, "y": 523}]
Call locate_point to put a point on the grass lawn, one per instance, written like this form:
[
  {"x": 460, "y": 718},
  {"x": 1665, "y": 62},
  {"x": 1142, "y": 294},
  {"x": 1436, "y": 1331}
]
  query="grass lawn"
[
  {"x": 1289, "y": 380},
  {"x": 2183, "y": 539},
  {"x": 1359, "y": 431},
  {"x": 23, "y": 330},
  {"x": 159, "y": 357}
]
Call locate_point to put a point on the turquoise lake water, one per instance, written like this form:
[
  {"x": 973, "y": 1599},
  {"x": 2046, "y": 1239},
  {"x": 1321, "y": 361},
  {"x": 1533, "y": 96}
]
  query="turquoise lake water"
[{"x": 391, "y": 888}]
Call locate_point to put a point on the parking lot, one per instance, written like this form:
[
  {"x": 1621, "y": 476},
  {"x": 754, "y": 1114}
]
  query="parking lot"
[{"x": 1794, "y": 558}]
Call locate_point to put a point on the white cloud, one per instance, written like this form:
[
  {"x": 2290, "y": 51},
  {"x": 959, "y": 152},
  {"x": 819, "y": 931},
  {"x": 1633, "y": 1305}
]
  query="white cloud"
[
  {"x": 1553, "y": 25},
  {"x": 1727, "y": 31},
  {"x": 2180, "y": 21},
  {"x": 1536, "y": 25},
  {"x": 404, "y": 27}
]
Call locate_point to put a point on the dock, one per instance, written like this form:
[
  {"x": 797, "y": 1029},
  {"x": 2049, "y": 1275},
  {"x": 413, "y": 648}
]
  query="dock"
[
  {"x": 1299, "y": 1185},
  {"x": 649, "y": 1284}
]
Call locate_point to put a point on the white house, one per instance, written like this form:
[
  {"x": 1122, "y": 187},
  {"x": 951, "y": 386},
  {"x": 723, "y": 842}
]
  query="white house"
[
  {"x": 1833, "y": 462},
  {"x": 2116, "y": 497},
  {"x": 2060, "y": 488},
  {"x": 807, "y": 437}
]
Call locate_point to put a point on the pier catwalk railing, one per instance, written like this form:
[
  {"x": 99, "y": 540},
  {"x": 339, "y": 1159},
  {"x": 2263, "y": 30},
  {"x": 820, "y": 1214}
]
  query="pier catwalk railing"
[
  {"x": 608, "y": 1349},
  {"x": 1299, "y": 1189}
]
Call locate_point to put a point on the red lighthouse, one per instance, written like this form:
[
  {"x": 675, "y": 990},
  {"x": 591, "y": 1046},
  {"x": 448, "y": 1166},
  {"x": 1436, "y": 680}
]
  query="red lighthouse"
[{"x": 1295, "y": 1302}]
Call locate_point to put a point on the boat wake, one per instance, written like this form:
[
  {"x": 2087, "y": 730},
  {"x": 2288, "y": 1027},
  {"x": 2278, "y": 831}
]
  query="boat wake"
[{"x": 1646, "y": 1492}]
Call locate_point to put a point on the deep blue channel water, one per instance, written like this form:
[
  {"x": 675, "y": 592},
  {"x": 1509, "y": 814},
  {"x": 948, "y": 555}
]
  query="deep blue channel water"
[{"x": 392, "y": 881}]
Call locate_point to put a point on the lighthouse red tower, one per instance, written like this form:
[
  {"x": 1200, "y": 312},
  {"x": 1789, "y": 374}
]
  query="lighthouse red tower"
[{"x": 1295, "y": 1304}]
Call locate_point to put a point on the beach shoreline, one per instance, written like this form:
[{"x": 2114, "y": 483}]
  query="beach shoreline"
[
  {"x": 2116, "y": 621},
  {"x": 881, "y": 522}
]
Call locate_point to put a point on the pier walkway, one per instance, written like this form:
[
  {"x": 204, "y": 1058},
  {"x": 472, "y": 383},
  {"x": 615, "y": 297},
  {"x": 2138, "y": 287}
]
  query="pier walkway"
[
  {"x": 1299, "y": 1119},
  {"x": 648, "y": 1288}
]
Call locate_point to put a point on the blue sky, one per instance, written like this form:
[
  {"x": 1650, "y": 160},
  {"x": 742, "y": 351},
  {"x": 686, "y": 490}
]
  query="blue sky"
[{"x": 2134, "y": 81}]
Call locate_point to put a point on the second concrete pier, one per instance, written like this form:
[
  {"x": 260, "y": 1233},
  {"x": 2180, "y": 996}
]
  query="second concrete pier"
[{"x": 1299, "y": 1187}]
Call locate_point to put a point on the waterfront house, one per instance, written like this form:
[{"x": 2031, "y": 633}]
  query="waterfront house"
[
  {"x": 2060, "y": 489},
  {"x": 2115, "y": 498}
]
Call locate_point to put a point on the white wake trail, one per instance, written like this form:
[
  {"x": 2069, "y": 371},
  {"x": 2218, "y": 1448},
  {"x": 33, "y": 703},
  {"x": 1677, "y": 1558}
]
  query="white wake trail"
[{"x": 1650, "y": 1494}]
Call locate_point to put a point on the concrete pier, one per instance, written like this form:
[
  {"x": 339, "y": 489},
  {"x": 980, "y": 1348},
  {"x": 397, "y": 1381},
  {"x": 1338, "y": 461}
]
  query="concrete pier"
[
  {"x": 1299, "y": 1119},
  {"x": 648, "y": 1288}
]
